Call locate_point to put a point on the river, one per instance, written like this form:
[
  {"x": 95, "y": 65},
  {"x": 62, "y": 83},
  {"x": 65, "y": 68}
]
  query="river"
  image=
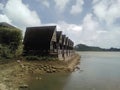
[{"x": 98, "y": 71}]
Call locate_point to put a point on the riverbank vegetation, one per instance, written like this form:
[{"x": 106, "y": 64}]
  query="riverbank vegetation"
[
  {"x": 10, "y": 43},
  {"x": 40, "y": 58}
]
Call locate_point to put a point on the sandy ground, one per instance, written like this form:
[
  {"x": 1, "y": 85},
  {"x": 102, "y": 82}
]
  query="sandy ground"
[{"x": 17, "y": 73}]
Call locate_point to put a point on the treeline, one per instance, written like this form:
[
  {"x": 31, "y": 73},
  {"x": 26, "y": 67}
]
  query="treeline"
[
  {"x": 10, "y": 42},
  {"x": 83, "y": 47}
]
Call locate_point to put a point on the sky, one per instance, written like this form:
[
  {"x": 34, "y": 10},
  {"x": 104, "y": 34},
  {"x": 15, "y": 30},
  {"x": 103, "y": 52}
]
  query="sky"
[{"x": 90, "y": 22}]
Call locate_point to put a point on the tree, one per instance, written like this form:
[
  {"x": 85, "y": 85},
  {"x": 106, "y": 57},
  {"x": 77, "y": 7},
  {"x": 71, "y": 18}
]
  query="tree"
[{"x": 10, "y": 39}]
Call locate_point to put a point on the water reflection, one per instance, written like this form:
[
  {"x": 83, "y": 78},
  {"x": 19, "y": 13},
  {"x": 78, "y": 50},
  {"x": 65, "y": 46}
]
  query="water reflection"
[
  {"x": 49, "y": 82},
  {"x": 98, "y": 71}
]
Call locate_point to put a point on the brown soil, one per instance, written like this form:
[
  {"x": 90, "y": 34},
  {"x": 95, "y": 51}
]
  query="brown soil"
[{"x": 17, "y": 73}]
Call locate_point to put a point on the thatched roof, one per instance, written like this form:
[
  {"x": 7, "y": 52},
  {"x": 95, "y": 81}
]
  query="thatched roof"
[{"x": 39, "y": 37}]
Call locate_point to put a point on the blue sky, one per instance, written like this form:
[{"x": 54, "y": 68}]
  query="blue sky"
[{"x": 91, "y": 22}]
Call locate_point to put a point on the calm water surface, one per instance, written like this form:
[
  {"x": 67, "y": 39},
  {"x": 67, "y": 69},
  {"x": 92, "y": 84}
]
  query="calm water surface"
[{"x": 98, "y": 71}]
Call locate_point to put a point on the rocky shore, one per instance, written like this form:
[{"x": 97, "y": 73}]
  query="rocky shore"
[{"x": 16, "y": 74}]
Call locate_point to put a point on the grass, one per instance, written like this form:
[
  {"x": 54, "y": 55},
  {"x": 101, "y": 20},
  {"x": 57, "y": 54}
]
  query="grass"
[{"x": 40, "y": 58}]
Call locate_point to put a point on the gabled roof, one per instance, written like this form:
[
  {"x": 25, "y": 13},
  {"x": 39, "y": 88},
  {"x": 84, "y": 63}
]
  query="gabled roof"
[
  {"x": 39, "y": 37},
  {"x": 66, "y": 41},
  {"x": 63, "y": 39},
  {"x": 59, "y": 35},
  {"x": 70, "y": 43}
]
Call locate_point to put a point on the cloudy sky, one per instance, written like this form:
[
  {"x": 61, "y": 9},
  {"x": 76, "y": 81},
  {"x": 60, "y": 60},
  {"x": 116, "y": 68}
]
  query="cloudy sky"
[{"x": 91, "y": 22}]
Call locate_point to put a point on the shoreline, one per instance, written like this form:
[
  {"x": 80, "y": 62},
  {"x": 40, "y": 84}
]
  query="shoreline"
[{"x": 15, "y": 75}]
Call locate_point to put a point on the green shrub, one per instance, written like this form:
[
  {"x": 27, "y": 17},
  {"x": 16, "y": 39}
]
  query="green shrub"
[
  {"x": 5, "y": 52},
  {"x": 10, "y": 42},
  {"x": 19, "y": 50},
  {"x": 40, "y": 58},
  {"x": 10, "y": 36},
  {"x": 32, "y": 58}
]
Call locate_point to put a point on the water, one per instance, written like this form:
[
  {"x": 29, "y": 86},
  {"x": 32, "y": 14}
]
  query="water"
[{"x": 98, "y": 71}]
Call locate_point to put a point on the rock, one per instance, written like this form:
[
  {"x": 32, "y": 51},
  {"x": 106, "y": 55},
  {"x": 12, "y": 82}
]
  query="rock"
[
  {"x": 77, "y": 68},
  {"x": 54, "y": 67},
  {"x": 23, "y": 86},
  {"x": 37, "y": 71},
  {"x": 42, "y": 66},
  {"x": 41, "y": 69},
  {"x": 54, "y": 70},
  {"x": 48, "y": 71}
]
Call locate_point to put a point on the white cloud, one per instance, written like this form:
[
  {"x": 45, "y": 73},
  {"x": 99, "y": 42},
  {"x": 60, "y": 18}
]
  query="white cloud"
[
  {"x": 107, "y": 10},
  {"x": 108, "y": 39},
  {"x": 44, "y": 2},
  {"x": 69, "y": 27},
  {"x": 73, "y": 31},
  {"x": 95, "y": 35},
  {"x": 1, "y": 6},
  {"x": 61, "y": 4},
  {"x": 95, "y": 1},
  {"x": 89, "y": 23},
  {"x": 20, "y": 14},
  {"x": 90, "y": 32},
  {"x": 77, "y": 8},
  {"x": 4, "y": 18}
]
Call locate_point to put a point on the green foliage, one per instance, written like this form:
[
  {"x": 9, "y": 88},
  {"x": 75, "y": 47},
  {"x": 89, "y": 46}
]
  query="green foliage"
[
  {"x": 11, "y": 37},
  {"x": 19, "y": 51},
  {"x": 31, "y": 58},
  {"x": 10, "y": 42},
  {"x": 5, "y": 52},
  {"x": 40, "y": 58}
]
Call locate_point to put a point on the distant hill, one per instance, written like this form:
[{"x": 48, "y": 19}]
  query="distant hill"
[{"x": 83, "y": 47}]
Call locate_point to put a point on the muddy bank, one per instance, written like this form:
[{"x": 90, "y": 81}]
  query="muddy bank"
[{"x": 16, "y": 74}]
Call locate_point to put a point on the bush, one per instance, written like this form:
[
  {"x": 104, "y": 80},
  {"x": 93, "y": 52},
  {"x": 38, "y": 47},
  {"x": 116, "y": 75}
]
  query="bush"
[
  {"x": 40, "y": 58},
  {"x": 19, "y": 51},
  {"x": 10, "y": 42},
  {"x": 32, "y": 58},
  {"x": 5, "y": 52}
]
